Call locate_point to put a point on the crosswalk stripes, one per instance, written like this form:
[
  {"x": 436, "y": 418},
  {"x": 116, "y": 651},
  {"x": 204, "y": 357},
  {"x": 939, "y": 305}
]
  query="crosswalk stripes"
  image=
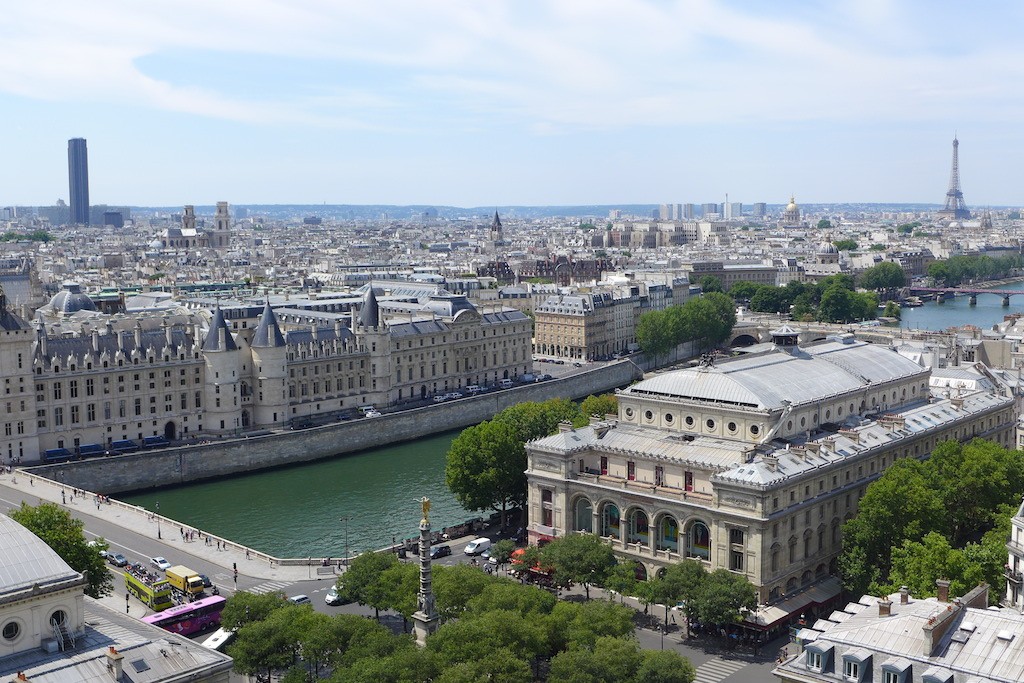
[
  {"x": 268, "y": 587},
  {"x": 714, "y": 670}
]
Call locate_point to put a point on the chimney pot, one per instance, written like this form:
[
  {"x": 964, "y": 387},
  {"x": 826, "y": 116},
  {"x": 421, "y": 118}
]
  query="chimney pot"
[
  {"x": 884, "y": 608},
  {"x": 904, "y": 595},
  {"x": 943, "y": 586}
]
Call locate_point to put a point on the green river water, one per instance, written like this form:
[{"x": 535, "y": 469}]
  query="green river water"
[{"x": 297, "y": 511}]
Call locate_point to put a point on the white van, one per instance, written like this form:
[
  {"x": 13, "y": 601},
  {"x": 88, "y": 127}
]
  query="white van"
[
  {"x": 505, "y": 384},
  {"x": 477, "y": 546},
  {"x": 473, "y": 389}
]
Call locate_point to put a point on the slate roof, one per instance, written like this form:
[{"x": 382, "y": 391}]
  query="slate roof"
[
  {"x": 155, "y": 340},
  {"x": 213, "y": 339},
  {"x": 268, "y": 333}
]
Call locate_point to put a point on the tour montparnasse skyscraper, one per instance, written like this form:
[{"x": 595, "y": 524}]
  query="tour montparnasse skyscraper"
[{"x": 78, "y": 179}]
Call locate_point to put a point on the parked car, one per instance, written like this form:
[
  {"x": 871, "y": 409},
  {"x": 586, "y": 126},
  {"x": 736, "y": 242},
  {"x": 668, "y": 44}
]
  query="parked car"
[
  {"x": 117, "y": 559},
  {"x": 454, "y": 395},
  {"x": 440, "y": 398},
  {"x": 160, "y": 563},
  {"x": 439, "y": 551},
  {"x": 373, "y": 413}
]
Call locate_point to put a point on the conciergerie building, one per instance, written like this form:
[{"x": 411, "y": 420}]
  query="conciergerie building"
[
  {"x": 753, "y": 464},
  {"x": 182, "y": 373}
]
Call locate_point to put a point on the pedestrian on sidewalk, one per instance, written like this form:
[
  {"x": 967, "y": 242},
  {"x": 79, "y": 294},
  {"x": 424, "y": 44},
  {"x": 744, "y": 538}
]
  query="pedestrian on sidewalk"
[{"x": 63, "y": 498}]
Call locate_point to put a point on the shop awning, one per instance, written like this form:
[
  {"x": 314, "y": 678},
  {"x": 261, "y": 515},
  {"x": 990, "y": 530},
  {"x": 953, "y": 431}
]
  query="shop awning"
[{"x": 819, "y": 593}]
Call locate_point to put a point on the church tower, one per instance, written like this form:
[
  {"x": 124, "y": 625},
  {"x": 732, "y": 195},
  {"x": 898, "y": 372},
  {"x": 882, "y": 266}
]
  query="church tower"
[
  {"x": 220, "y": 238},
  {"x": 18, "y": 441}
]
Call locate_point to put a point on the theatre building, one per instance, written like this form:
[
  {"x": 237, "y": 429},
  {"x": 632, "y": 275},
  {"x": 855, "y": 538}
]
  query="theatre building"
[{"x": 753, "y": 464}]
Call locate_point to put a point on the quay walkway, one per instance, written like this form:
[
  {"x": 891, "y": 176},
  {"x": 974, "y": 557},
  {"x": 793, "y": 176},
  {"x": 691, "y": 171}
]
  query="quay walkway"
[{"x": 219, "y": 551}]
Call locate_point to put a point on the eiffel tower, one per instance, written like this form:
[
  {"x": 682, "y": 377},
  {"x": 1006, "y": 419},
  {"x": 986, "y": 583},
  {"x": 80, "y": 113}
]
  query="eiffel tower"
[{"x": 955, "y": 209}]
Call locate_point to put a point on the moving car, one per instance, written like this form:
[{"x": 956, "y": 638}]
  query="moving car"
[
  {"x": 300, "y": 600},
  {"x": 117, "y": 559},
  {"x": 477, "y": 546},
  {"x": 206, "y": 580},
  {"x": 439, "y": 551},
  {"x": 160, "y": 563},
  {"x": 333, "y": 597}
]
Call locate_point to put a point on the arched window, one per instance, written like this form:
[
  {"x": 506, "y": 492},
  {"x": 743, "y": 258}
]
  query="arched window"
[
  {"x": 668, "y": 534},
  {"x": 698, "y": 541},
  {"x": 639, "y": 527},
  {"x": 583, "y": 515},
  {"x": 610, "y": 520}
]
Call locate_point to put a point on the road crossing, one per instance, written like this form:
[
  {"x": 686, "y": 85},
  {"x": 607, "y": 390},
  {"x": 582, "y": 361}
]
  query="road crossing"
[{"x": 715, "y": 670}]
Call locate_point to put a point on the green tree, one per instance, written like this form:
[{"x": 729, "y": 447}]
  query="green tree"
[
  {"x": 470, "y": 639},
  {"x": 710, "y": 283},
  {"x": 883, "y": 277},
  {"x": 743, "y": 290},
  {"x": 531, "y": 420},
  {"x": 502, "y": 551},
  {"x": 486, "y": 468},
  {"x": 892, "y": 310},
  {"x": 244, "y": 608},
  {"x": 665, "y": 666},
  {"x": 712, "y": 317},
  {"x": 508, "y": 596},
  {"x": 837, "y": 306},
  {"x": 361, "y": 581},
  {"x": 901, "y": 505},
  {"x": 846, "y": 245},
  {"x": 654, "y": 334},
  {"x": 581, "y": 558},
  {"x": 262, "y": 647},
  {"x": 680, "y": 582},
  {"x": 500, "y": 666},
  {"x": 612, "y": 660},
  {"x": 455, "y": 586},
  {"x": 622, "y": 578},
  {"x": 63, "y": 533},
  {"x": 770, "y": 300},
  {"x": 723, "y": 598},
  {"x": 605, "y": 404},
  {"x": 824, "y": 224}
]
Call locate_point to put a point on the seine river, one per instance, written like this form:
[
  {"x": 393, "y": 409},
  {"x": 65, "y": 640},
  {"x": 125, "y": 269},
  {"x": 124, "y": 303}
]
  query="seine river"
[
  {"x": 987, "y": 312},
  {"x": 297, "y": 511}
]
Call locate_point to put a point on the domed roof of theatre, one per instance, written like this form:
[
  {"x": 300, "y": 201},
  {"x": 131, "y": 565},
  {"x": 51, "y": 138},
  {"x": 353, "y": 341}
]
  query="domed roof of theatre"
[
  {"x": 71, "y": 299},
  {"x": 27, "y": 561},
  {"x": 774, "y": 379}
]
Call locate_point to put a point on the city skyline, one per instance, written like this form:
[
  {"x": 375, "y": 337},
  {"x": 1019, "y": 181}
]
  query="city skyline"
[{"x": 505, "y": 104}]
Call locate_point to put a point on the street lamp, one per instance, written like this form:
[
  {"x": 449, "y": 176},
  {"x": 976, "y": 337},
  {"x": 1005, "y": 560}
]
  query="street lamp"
[
  {"x": 158, "y": 536},
  {"x": 345, "y": 520}
]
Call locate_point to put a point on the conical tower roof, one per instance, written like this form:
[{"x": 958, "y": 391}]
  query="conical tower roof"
[
  {"x": 369, "y": 314},
  {"x": 213, "y": 339},
  {"x": 268, "y": 333}
]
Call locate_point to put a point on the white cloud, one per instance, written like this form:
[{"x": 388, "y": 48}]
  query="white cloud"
[{"x": 554, "y": 66}]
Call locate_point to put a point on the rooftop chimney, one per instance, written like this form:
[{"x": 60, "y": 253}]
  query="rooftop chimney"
[
  {"x": 904, "y": 595},
  {"x": 943, "y": 590},
  {"x": 114, "y": 663},
  {"x": 884, "y": 607},
  {"x": 564, "y": 427}
]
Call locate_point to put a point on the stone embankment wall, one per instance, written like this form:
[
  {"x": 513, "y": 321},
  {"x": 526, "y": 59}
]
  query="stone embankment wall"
[{"x": 172, "y": 466}]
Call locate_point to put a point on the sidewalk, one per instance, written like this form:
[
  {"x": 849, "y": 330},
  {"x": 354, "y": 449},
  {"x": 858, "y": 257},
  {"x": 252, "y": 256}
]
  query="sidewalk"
[{"x": 213, "y": 549}]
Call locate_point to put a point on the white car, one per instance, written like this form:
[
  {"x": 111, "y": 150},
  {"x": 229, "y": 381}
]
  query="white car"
[
  {"x": 160, "y": 563},
  {"x": 373, "y": 413}
]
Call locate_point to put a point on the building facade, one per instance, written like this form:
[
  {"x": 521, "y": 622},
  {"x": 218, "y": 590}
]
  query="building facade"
[
  {"x": 190, "y": 375},
  {"x": 751, "y": 465}
]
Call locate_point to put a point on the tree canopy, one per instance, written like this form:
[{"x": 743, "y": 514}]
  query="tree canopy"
[
  {"x": 64, "y": 534},
  {"x": 964, "y": 494},
  {"x": 707, "y": 319},
  {"x": 580, "y": 558},
  {"x": 886, "y": 275},
  {"x": 485, "y": 468}
]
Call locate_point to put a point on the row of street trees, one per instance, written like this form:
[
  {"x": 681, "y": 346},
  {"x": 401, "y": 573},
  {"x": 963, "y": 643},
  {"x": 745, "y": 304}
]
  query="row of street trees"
[
  {"x": 707, "y": 320},
  {"x": 492, "y": 629},
  {"x": 945, "y": 517},
  {"x": 956, "y": 270},
  {"x": 833, "y": 299},
  {"x": 485, "y": 467}
]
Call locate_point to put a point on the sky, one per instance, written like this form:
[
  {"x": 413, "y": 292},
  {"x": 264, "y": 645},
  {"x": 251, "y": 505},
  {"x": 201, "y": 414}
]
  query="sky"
[{"x": 519, "y": 102}]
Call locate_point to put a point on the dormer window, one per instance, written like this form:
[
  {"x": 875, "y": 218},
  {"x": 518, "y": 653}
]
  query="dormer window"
[{"x": 857, "y": 666}]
